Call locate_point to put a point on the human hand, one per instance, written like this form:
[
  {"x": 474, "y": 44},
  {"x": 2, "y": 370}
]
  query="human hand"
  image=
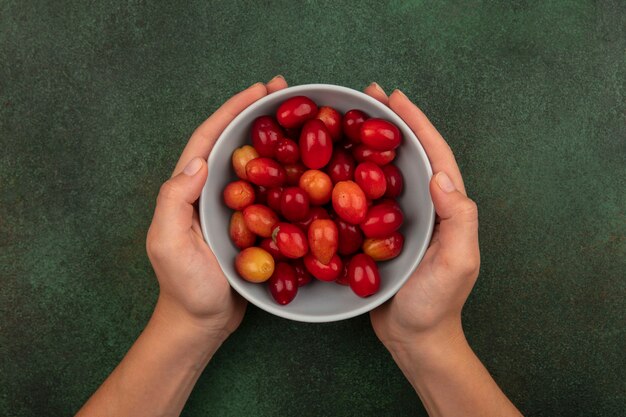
[
  {"x": 426, "y": 312},
  {"x": 193, "y": 288}
]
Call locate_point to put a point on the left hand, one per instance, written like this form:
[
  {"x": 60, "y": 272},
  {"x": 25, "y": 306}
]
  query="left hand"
[{"x": 193, "y": 288}]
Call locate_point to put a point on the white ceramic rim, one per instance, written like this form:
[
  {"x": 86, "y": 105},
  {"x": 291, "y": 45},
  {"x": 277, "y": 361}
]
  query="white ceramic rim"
[{"x": 276, "y": 309}]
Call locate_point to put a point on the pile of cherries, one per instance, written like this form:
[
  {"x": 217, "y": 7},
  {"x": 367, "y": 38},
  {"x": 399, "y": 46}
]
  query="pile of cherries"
[{"x": 323, "y": 206}]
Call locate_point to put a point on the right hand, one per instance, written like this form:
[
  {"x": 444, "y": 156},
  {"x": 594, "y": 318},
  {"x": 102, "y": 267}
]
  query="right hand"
[
  {"x": 428, "y": 307},
  {"x": 193, "y": 288}
]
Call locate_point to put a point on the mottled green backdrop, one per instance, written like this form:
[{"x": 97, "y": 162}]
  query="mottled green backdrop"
[{"x": 97, "y": 101}]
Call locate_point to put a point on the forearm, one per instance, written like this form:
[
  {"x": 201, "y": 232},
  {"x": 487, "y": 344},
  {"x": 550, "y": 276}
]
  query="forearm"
[
  {"x": 450, "y": 379},
  {"x": 158, "y": 373}
]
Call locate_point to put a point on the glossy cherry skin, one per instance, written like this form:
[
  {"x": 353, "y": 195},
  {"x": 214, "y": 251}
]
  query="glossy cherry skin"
[
  {"x": 265, "y": 172},
  {"x": 349, "y": 202},
  {"x": 371, "y": 178},
  {"x": 351, "y": 124},
  {"x": 294, "y": 172},
  {"x": 350, "y": 237},
  {"x": 390, "y": 201},
  {"x": 239, "y": 233},
  {"x": 323, "y": 272},
  {"x": 341, "y": 166},
  {"x": 302, "y": 275},
  {"x": 274, "y": 197},
  {"x": 382, "y": 220},
  {"x": 316, "y": 145},
  {"x": 283, "y": 284},
  {"x": 241, "y": 157},
  {"x": 363, "y": 275},
  {"x": 254, "y": 264},
  {"x": 364, "y": 154},
  {"x": 332, "y": 120},
  {"x": 343, "y": 278},
  {"x": 383, "y": 249},
  {"x": 238, "y": 195},
  {"x": 270, "y": 246},
  {"x": 260, "y": 219},
  {"x": 318, "y": 186},
  {"x": 323, "y": 240},
  {"x": 265, "y": 134},
  {"x": 294, "y": 204},
  {"x": 380, "y": 135},
  {"x": 315, "y": 213},
  {"x": 287, "y": 151},
  {"x": 293, "y": 112},
  {"x": 290, "y": 240},
  {"x": 395, "y": 181}
]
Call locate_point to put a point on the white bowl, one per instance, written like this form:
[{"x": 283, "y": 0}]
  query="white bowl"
[{"x": 321, "y": 301}]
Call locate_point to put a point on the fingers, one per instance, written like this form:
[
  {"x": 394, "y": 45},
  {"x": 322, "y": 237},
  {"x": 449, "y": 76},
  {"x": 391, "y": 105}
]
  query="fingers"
[
  {"x": 204, "y": 137},
  {"x": 458, "y": 229},
  {"x": 375, "y": 91},
  {"x": 174, "y": 210},
  {"x": 275, "y": 84},
  {"x": 437, "y": 149}
]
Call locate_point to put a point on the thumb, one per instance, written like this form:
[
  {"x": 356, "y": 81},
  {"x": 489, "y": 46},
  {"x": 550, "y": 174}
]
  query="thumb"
[
  {"x": 458, "y": 228},
  {"x": 174, "y": 208}
]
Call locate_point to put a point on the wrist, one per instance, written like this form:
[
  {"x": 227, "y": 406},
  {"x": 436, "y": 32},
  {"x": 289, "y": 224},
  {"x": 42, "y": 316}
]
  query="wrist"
[
  {"x": 428, "y": 347},
  {"x": 205, "y": 331}
]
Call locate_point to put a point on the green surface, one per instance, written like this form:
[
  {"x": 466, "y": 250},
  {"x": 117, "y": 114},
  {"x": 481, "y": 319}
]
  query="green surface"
[{"x": 97, "y": 101}]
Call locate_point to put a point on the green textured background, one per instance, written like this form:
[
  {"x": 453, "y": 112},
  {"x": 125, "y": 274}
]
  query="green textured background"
[{"x": 97, "y": 101}]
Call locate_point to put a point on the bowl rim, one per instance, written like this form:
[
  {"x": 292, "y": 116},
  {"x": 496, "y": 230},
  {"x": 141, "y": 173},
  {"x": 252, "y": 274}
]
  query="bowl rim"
[{"x": 276, "y": 309}]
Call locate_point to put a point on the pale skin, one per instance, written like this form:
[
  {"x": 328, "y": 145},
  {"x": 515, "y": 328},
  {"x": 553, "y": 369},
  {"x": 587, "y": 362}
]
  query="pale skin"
[{"x": 197, "y": 310}]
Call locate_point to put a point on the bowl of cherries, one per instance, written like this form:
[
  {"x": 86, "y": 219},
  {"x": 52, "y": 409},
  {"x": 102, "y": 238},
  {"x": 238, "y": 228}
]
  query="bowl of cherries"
[{"x": 317, "y": 204}]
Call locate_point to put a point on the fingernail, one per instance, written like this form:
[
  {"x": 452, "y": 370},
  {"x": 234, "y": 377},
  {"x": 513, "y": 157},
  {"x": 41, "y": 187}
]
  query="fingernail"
[
  {"x": 193, "y": 167},
  {"x": 444, "y": 182},
  {"x": 378, "y": 88},
  {"x": 255, "y": 84},
  {"x": 397, "y": 91},
  {"x": 278, "y": 77}
]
